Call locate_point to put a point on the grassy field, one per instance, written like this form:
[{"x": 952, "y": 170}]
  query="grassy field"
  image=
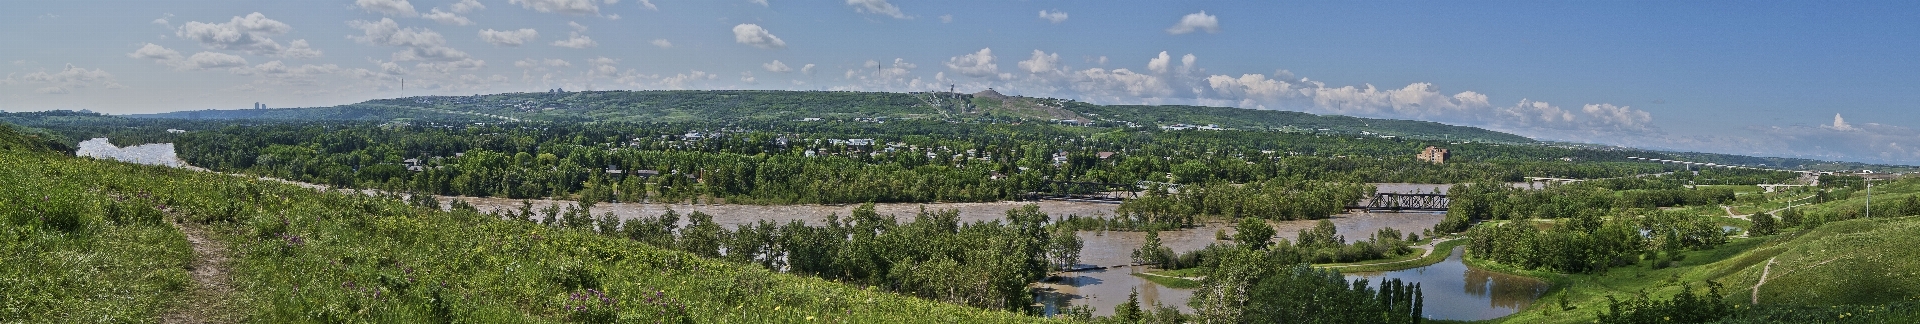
[
  {"x": 1860, "y": 270},
  {"x": 1440, "y": 253},
  {"x": 88, "y": 240}
]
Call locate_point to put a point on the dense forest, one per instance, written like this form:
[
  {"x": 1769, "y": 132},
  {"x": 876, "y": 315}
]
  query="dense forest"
[{"x": 816, "y": 162}]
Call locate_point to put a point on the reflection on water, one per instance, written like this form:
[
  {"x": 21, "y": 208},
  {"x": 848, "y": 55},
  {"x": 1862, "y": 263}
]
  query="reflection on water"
[
  {"x": 1105, "y": 289},
  {"x": 1454, "y": 291}
]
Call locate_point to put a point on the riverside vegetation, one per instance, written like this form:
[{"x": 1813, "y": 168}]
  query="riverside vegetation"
[
  {"x": 88, "y": 239},
  {"x": 111, "y": 241},
  {"x": 92, "y": 228}
]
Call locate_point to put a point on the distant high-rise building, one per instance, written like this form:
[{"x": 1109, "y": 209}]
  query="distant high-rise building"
[{"x": 1433, "y": 155}]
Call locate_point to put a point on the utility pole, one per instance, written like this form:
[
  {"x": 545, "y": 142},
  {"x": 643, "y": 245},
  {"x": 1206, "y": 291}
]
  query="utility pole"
[{"x": 1869, "y": 196}]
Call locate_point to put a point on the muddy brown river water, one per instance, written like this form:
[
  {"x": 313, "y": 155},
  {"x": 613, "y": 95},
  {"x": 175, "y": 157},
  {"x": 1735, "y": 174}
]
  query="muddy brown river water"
[
  {"x": 1102, "y": 289},
  {"x": 1453, "y": 291}
]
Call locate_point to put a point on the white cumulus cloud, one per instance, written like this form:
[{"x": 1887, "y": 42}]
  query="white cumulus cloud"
[
  {"x": 776, "y": 67},
  {"x": 662, "y": 43},
  {"x": 577, "y": 41},
  {"x": 155, "y": 52},
  {"x": 532, "y": 63},
  {"x": 571, "y": 7},
  {"x": 509, "y": 38},
  {"x": 1053, "y": 16},
  {"x": 1160, "y": 63},
  {"x": 978, "y": 64},
  {"x": 420, "y": 44},
  {"x": 387, "y": 7},
  {"x": 752, "y": 34},
  {"x": 878, "y": 7},
  {"x": 1199, "y": 21},
  {"x": 1041, "y": 62},
  {"x": 210, "y": 60},
  {"x": 250, "y": 34},
  {"x": 67, "y": 79},
  {"x": 447, "y": 18},
  {"x": 466, "y": 6}
]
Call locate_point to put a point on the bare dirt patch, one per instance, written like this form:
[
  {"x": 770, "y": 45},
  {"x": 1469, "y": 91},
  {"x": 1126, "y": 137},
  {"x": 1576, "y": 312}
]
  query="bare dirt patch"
[{"x": 210, "y": 300}]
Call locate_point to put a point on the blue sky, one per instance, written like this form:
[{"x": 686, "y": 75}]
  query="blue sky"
[{"x": 1761, "y": 78}]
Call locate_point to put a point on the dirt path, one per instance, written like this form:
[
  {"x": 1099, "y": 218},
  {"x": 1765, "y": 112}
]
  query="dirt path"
[
  {"x": 1763, "y": 280},
  {"x": 1730, "y": 212},
  {"x": 210, "y": 300},
  {"x": 1769, "y": 268}
]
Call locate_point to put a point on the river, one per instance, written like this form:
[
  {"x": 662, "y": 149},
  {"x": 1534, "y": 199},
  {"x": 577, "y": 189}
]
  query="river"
[
  {"x": 1481, "y": 295},
  {"x": 1102, "y": 289}
]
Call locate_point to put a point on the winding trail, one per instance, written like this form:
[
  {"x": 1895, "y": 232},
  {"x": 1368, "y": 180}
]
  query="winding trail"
[
  {"x": 1769, "y": 268},
  {"x": 210, "y": 299},
  {"x": 1763, "y": 279}
]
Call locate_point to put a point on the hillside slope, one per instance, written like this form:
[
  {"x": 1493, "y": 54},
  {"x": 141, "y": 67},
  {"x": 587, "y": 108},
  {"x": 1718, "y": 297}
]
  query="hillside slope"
[
  {"x": 764, "y": 105},
  {"x": 1828, "y": 269},
  {"x": 101, "y": 241}
]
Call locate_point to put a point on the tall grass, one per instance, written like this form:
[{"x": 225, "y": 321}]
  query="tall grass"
[
  {"x": 302, "y": 255},
  {"x": 82, "y": 250}
]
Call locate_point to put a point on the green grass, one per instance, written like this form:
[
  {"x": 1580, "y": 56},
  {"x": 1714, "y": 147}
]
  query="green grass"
[
  {"x": 1170, "y": 282},
  {"x": 1737, "y": 189},
  {"x": 301, "y": 255},
  {"x": 1842, "y": 264},
  {"x": 67, "y": 259},
  {"x": 1440, "y": 253}
]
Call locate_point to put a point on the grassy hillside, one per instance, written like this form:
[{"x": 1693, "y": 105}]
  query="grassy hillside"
[
  {"x": 1275, "y": 119},
  {"x": 108, "y": 241},
  {"x": 1861, "y": 270},
  {"x": 712, "y": 105},
  {"x": 355, "y": 112}
]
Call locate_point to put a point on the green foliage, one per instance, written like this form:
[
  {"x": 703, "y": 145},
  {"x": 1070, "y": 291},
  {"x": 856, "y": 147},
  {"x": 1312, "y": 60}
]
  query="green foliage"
[
  {"x": 1763, "y": 225},
  {"x": 1129, "y": 312},
  {"x": 1275, "y": 200},
  {"x": 1276, "y": 119},
  {"x": 1562, "y": 248},
  {"x": 79, "y": 245},
  {"x": 1685, "y": 307},
  {"x": 1151, "y": 252},
  {"x": 1254, "y": 287},
  {"x": 31, "y": 141},
  {"x": 1306, "y": 295},
  {"x": 1253, "y": 233},
  {"x": 301, "y": 255}
]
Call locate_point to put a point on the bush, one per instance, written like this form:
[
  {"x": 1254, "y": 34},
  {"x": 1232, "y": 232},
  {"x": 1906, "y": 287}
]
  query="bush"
[{"x": 1763, "y": 225}]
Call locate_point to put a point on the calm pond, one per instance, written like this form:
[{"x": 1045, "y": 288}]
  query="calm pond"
[{"x": 1455, "y": 291}]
